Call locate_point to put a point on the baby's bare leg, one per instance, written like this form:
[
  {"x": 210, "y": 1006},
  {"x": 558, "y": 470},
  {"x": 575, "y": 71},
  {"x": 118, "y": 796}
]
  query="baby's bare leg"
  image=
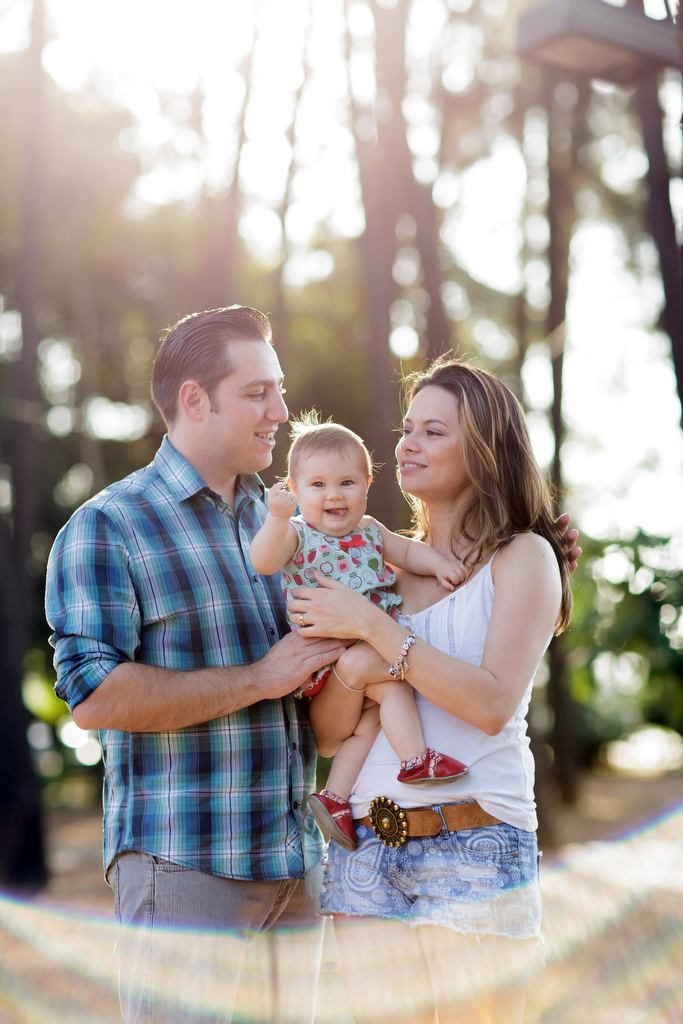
[
  {"x": 399, "y": 717},
  {"x": 349, "y": 759}
]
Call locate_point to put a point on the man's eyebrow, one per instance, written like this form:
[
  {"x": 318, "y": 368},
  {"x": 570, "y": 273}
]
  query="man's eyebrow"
[{"x": 262, "y": 382}]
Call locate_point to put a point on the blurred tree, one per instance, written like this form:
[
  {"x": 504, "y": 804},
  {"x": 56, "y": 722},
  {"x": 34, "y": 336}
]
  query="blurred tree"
[
  {"x": 378, "y": 242},
  {"x": 22, "y": 848},
  {"x": 660, "y": 216},
  {"x": 220, "y": 253},
  {"x": 564, "y": 112},
  {"x": 280, "y": 313}
]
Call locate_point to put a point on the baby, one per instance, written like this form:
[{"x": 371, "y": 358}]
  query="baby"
[{"x": 329, "y": 472}]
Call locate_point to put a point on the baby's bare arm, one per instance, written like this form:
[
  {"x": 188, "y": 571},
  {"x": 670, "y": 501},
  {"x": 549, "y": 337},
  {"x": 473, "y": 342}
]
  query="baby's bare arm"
[
  {"x": 419, "y": 558},
  {"x": 277, "y": 540}
]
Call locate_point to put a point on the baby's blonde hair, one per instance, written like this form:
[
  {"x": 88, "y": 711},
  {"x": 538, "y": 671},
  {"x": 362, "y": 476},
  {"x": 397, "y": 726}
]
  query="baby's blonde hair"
[{"x": 310, "y": 436}]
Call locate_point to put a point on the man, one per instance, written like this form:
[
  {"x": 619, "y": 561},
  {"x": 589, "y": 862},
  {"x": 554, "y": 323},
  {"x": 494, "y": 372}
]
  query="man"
[{"x": 170, "y": 645}]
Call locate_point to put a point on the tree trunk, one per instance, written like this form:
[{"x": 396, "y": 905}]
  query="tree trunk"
[
  {"x": 220, "y": 251},
  {"x": 280, "y": 314},
  {"x": 89, "y": 353},
  {"x": 410, "y": 196},
  {"x": 660, "y": 218},
  {"x": 22, "y": 853},
  {"x": 378, "y": 251},
  {"x": 560, "y": 216},
  {"x": 661, "y": 223}
]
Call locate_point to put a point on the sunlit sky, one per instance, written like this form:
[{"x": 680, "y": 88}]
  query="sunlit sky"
[{"x": 624, "y": 458}]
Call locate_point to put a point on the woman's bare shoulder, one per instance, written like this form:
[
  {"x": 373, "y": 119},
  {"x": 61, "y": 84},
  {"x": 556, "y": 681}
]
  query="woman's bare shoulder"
[{"x": 524, "y": 550}]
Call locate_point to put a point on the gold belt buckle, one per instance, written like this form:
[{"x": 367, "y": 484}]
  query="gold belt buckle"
[{"x": 388, "y": 821}]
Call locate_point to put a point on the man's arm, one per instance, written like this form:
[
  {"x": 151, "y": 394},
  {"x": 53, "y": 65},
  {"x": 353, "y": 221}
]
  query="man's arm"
[
  {"x": 92, "y": 605},
  {"x": 143, "y": 698}
]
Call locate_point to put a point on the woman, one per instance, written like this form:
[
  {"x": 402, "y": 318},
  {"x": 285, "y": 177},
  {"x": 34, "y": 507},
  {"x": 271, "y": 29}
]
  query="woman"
[{"x": 462, "y": 872}]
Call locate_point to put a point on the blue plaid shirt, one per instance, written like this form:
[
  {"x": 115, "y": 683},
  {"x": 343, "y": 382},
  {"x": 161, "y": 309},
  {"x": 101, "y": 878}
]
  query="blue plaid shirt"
[{"x": 155, "y": 569}]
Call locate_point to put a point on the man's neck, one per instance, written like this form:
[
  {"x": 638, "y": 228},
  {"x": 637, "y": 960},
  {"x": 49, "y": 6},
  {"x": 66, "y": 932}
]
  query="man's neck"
[{"x": 210, "y": 472}]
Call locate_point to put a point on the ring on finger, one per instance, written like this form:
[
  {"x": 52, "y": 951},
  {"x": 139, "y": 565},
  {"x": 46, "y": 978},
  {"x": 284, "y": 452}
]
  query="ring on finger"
[{"x": 302, "y": 620}]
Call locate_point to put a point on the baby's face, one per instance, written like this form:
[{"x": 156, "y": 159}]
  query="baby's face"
[{"x": 332, "y": 490}]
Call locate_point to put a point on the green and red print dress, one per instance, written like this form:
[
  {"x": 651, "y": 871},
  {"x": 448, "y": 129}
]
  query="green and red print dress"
[{"x": 355, "y": 560}]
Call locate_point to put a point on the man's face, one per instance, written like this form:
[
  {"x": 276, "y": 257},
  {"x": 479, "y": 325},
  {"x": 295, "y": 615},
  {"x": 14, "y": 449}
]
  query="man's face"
[{"x": 246, "y": 410}]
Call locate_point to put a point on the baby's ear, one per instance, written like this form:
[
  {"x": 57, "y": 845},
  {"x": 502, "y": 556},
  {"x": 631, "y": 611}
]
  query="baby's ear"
[{"x": 291, "y": 486}]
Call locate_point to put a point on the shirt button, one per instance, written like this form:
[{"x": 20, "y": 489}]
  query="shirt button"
[
  {"x": 271, "y": 631},
  {"x": 295, "y": 805},
  {"x": 294, "y": 746},
  {"x": 255, "y": 579}
]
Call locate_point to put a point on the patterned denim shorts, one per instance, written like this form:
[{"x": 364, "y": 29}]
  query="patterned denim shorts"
[{"x": 480, "y": 881}]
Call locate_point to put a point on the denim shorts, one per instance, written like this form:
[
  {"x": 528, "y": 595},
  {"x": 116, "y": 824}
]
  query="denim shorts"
[{"x": 481, "y": 881}]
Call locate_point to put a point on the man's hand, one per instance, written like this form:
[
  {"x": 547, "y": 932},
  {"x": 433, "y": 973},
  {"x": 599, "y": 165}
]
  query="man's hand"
[
  {"x": 291, "y": 661},
  {"x": 570, "y": 538}
]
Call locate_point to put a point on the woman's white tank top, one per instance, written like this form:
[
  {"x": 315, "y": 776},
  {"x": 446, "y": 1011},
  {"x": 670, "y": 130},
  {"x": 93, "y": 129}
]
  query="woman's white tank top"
[{"x": 501, "y": 775}]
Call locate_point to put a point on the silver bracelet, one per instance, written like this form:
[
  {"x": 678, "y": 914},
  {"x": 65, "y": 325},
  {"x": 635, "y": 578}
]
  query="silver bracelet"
[
  {"x": 398, "y": 669},
  {"x": 351, "y": 689}
]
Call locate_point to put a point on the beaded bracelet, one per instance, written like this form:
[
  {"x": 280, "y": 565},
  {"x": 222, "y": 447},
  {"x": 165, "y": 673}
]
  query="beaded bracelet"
[{"x": 398, "y": 669}]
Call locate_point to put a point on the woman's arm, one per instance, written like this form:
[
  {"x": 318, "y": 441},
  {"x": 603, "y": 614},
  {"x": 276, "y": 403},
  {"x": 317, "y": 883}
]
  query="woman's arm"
[
  {"x": 277, "y": 540},
  {"x": 525, "y": 609}
]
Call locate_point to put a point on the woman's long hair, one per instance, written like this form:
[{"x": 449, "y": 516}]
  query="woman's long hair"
[{"x": 511, "y": 494}]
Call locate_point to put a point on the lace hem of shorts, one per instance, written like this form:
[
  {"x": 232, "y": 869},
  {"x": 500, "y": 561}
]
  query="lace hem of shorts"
[
  {"x": 533, "y": 936},
  {"x": 414, "y": 922}
]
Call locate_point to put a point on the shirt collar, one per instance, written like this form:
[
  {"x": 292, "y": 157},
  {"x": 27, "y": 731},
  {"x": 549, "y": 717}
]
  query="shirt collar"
[{"x": 183, "y": 480}]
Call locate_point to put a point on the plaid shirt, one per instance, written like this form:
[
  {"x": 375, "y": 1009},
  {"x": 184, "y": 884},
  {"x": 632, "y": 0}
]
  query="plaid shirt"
[{"x": 155, "y": 569}]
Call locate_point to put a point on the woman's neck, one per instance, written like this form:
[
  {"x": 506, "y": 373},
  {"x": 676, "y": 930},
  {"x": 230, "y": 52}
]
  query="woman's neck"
[
  {"x": 447, "y": 535},
  {"x": 445, "y": 527}
]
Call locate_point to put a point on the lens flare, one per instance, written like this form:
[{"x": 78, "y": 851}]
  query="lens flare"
[{"x": 613, "y": 925}]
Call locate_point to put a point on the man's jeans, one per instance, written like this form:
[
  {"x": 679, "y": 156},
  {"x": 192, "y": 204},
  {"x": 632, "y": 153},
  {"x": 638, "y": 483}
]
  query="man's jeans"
[{"x": 196, "y": 947}]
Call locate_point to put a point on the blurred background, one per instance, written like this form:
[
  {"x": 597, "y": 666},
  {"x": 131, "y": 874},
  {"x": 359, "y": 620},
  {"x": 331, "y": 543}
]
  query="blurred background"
[{"x": 389, "y": 179}]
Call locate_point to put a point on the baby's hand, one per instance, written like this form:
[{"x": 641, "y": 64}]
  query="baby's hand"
[
  {"x": 281, "y": 502},
  {"x": 450, "y": 573}
]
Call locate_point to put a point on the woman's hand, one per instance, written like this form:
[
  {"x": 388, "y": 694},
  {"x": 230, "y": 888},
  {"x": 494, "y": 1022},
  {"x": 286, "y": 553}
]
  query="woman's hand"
[{"x": 332, "y": 610}]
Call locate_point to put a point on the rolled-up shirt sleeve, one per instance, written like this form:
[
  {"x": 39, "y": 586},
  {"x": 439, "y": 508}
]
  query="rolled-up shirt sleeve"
[{"x": 90, "y": 604}]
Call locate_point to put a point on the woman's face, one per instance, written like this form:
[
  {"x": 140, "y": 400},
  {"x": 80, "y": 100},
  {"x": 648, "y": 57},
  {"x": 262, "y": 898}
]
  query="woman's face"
[{"x": 430, "y": 452}]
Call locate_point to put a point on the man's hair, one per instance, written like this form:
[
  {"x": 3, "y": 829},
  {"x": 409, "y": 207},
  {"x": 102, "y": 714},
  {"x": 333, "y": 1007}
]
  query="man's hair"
[
  {"x": 310, "y": 436},
  {"x": 195, "y": 348},
  {"x": 510, "y": 492}
]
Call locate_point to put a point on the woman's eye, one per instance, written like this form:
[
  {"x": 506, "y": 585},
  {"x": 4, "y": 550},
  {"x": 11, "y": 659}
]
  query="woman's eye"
[{"x": 257, "y": 394}]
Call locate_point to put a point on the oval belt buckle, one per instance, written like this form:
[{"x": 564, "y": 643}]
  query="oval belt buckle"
[{"x": 388, "y": 821}]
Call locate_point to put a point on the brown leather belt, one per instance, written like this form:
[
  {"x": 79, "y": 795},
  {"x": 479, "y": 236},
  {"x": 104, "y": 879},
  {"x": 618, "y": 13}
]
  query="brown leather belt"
[{"x": 393, "y": 824}]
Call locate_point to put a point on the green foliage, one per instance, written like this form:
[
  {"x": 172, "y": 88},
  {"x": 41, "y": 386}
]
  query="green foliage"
[{"x": 626, "y": 640}]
